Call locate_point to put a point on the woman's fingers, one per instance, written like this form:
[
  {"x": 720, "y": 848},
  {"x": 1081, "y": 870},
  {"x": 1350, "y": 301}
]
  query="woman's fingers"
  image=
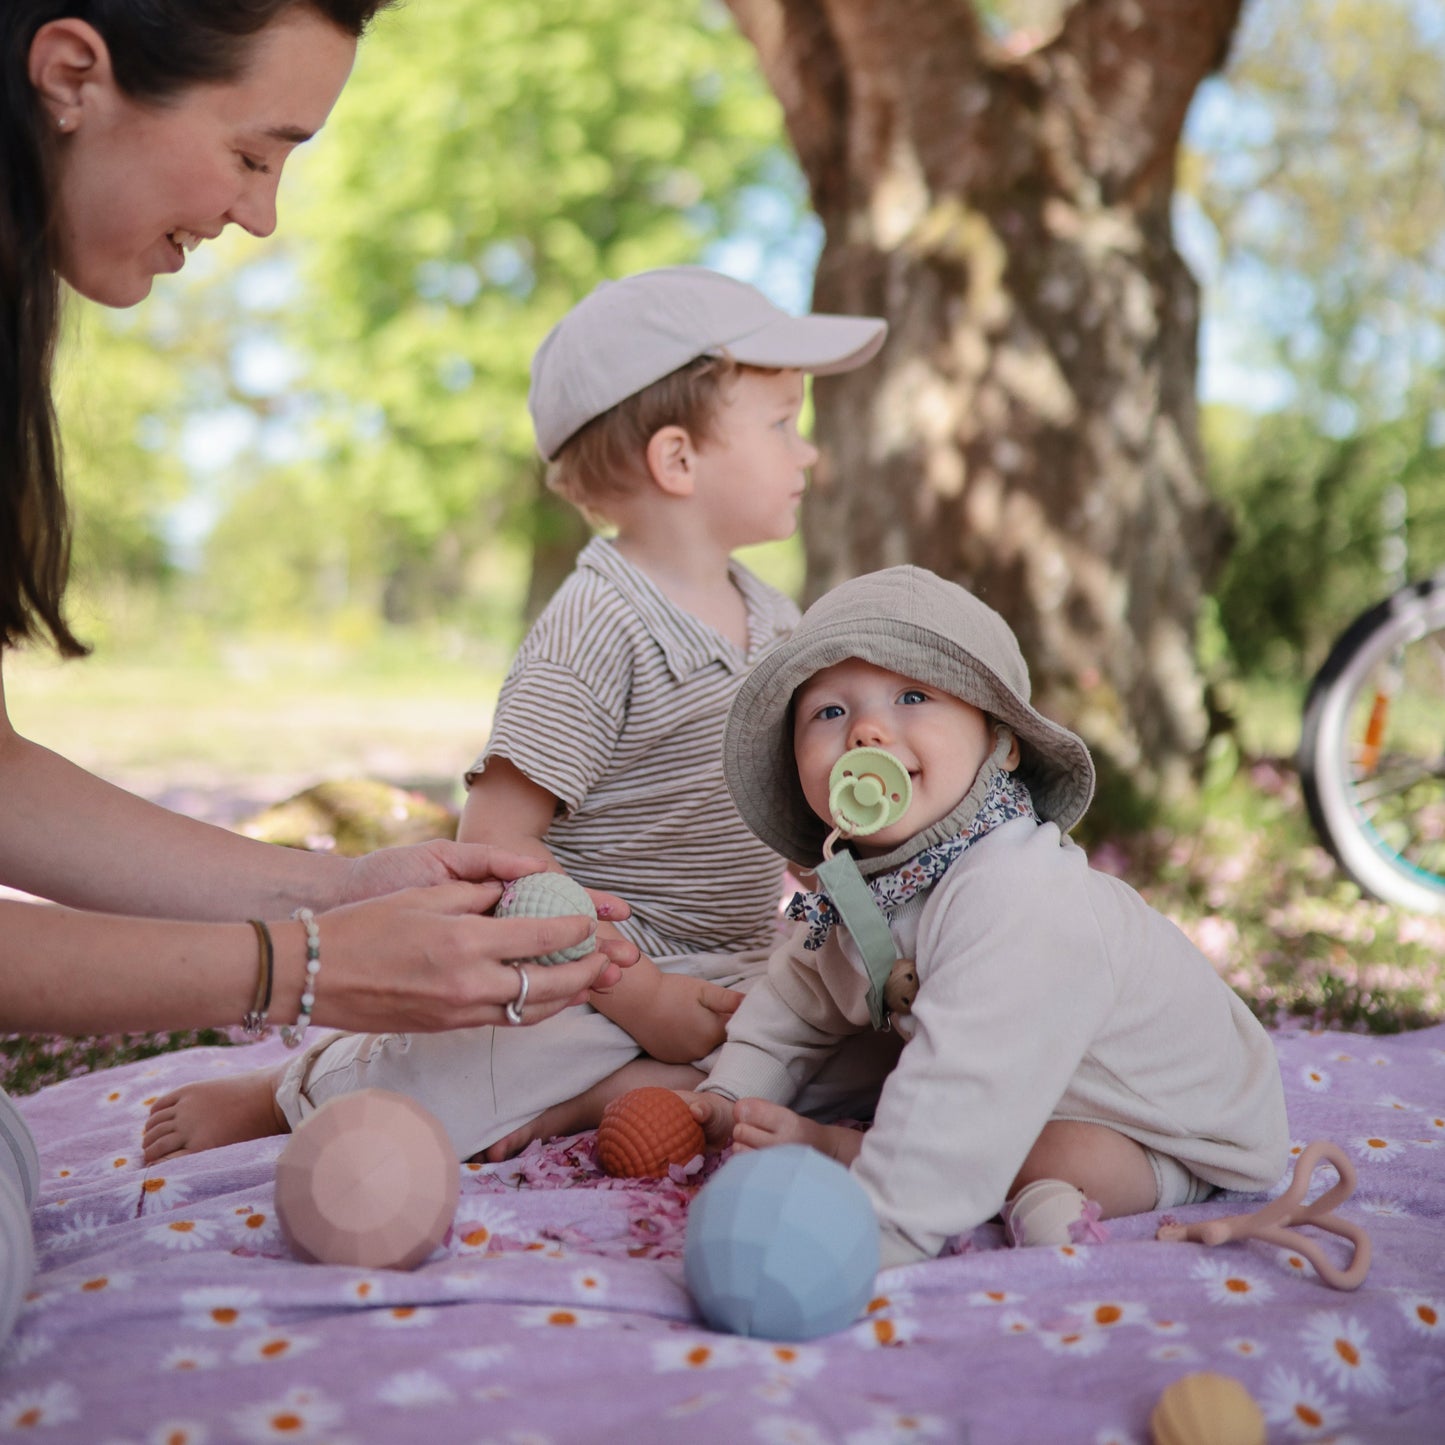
[
  {"x": 551, "y": 988},
  {"x": 477, "y": 862},
  {"x": 516, "y": 940}
]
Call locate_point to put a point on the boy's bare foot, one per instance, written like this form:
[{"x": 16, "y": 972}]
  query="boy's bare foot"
[
  {"x": 213, "y": 1112},
  {"x": 584, "y": 1111},
  {"x": 762, "y": 1124}
]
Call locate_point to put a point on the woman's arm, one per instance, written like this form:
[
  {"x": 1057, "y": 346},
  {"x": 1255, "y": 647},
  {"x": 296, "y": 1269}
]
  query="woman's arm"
[
  {"x": 420, "y": 960},
  {"x": 414, "y": 957},
  {"x": 68, "y": 836}
]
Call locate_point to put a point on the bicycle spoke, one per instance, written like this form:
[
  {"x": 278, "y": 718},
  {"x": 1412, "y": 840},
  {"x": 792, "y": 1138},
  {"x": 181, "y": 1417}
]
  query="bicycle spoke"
[{"x": 1390, "y": 780}]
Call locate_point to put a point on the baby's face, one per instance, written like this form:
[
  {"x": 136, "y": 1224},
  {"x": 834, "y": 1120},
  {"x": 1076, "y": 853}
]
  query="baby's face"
[{"x": 940, "y": 739}]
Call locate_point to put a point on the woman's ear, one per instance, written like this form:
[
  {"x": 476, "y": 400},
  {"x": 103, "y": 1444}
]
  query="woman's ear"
[
  {"x": 672, "y": 461},
  {"x": 67, "y": 59}
]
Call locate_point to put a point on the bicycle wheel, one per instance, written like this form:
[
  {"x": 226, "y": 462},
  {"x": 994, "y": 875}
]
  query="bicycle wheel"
[{"x": 1372, "y": 748}]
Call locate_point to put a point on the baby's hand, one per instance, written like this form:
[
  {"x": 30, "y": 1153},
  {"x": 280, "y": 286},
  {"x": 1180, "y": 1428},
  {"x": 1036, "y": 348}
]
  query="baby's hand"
[
  {"x": 686, "y": 1018},
  {"x": 715, "y": 1113}
]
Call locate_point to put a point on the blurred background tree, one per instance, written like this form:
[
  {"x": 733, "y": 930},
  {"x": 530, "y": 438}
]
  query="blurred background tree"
[
  {"x": 1031, "y": 427},
  {"x": 328, "y": 429}
]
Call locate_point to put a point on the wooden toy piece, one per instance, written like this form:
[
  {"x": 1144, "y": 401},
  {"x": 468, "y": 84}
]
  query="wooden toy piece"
[
  {"x": 644, "y": 1132},
  {"x": 781, "y": 1244},
  {"x": 1207, "y": 1409},
  {"x": 901, "y": 988},
  {"x": 1271, "y": 1223},
  {"x": 369, "y": 1179},
  {"x": 548, "y": 895}
]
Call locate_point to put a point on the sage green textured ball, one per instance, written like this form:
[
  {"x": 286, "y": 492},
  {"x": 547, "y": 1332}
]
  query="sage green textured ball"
[{"x": 548, "y": 895}]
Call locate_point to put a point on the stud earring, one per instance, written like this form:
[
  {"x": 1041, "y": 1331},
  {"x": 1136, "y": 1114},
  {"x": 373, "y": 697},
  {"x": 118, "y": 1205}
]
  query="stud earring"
[{"x": 62, "y": 122}]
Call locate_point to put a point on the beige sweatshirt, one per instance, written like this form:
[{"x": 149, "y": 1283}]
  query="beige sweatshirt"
[{"x": 1046, "y": 991}]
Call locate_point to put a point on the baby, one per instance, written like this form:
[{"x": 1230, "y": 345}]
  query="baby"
[{"x": 1070, "y": 1054}]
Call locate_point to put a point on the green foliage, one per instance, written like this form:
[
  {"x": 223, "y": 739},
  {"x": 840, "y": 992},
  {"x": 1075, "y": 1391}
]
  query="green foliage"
[
  {"x": 349, "y": 397},
  {"x": 115, "y": 395},
  {"x": 1325, "y": 527},
  {"x": 1317, "y": 159},
  {"x": 1321, "y": 172},
  {"x": 488, "y": 164}
]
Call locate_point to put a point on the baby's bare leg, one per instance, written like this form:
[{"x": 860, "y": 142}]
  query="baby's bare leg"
[
  {"x": 1104, "y": 1164},
  {"x": 213, "y": 1112},
  {"x": 584, "y": 1111},
  {"x": 761, "y": 1124}
]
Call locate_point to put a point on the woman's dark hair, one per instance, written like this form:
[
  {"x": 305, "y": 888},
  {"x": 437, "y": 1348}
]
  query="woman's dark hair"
[{"x": 157, "y": 49}]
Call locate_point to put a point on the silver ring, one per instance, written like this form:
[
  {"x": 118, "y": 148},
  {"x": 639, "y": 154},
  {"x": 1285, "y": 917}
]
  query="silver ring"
[{"x": 514, "y": 1009}]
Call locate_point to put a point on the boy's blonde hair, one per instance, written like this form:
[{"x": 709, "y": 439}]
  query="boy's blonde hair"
[{"x": 607, "y": 459}]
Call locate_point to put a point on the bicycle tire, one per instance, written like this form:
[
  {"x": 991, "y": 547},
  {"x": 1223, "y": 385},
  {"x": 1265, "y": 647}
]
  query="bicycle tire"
[{"x": 1378, "y": 802}]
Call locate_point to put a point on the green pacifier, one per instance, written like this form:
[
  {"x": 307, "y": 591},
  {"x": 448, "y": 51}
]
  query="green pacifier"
[{"x": 867, "y": 790}]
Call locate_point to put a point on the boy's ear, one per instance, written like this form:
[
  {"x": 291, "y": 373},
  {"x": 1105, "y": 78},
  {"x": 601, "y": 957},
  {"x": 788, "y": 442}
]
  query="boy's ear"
[
  {"x": 672, "y": 461},
  {"x": 67, "y": 57}
]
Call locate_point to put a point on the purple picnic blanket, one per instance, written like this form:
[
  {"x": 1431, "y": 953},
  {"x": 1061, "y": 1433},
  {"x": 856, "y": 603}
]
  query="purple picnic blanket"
[{"x": 169, "y": 1308}]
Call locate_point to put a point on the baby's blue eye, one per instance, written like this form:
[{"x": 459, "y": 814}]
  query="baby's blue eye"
[
  {"x": 828, "y": 712},
  {"x": 913, "y": 695}
]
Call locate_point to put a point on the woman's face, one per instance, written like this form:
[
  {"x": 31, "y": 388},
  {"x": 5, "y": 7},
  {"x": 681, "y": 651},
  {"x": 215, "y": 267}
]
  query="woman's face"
[{"x": 141, "y": 183}]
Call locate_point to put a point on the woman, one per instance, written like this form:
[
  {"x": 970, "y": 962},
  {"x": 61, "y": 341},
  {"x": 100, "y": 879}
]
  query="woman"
[{"x": 130, "y": 133}]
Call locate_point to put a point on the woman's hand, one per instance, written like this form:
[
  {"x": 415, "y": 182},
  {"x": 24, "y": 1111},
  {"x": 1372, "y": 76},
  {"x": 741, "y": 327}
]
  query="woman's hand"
[
  {"x": 429, "y": 958},
  {"x": 420, "y": 865}
]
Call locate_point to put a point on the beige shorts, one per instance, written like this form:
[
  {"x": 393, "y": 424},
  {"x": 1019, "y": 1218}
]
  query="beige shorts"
[{"x": 484, "y": 1083}]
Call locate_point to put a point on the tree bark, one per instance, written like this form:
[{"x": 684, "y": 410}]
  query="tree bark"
[{"x": 1030, "y": 428}]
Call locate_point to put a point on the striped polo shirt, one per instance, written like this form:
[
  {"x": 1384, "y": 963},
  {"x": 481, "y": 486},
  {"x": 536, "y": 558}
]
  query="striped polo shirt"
[{"x": 616, "y": 704}]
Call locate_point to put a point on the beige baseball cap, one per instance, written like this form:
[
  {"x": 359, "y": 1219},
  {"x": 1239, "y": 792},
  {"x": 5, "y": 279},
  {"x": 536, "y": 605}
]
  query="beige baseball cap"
[{"x": 627, "y": 334}]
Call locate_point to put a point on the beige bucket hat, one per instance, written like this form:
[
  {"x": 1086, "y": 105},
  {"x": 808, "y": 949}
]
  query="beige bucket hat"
[
  {"x": 627, "y": 334},
  {"x": 913, "y": 622}
]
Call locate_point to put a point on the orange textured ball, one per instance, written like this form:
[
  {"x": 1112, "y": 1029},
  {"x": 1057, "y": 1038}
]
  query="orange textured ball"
[{"x": 645, "y": 1131}]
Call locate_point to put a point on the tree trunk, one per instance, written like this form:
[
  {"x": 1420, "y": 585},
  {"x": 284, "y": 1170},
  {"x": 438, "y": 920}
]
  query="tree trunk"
[
  {"x": 1030, "y": 428},
  {"x": 559, "y": 533}
]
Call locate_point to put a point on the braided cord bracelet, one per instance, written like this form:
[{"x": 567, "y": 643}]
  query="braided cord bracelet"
[{"x": 254, "y": 1020}]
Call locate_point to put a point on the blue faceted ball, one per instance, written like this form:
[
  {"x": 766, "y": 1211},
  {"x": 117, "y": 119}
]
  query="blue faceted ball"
[{"x": 781, "y": 1243}]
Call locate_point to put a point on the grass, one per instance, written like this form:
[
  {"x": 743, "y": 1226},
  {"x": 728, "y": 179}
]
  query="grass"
[
  {"x": 232, "y": 729},
  {"x": 224, "y": 734}
]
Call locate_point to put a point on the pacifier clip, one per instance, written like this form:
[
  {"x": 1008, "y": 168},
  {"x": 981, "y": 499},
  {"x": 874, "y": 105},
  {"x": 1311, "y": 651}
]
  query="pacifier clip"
[{"x": 868, "y": 789}]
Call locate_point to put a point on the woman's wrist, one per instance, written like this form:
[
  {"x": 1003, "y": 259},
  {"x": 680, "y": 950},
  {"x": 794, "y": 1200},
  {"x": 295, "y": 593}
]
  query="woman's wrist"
[{"x": 317, "y": 881}]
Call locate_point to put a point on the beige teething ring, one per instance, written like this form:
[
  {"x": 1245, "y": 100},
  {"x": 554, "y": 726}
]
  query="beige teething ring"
[{"x": 1271, "y": 1223}]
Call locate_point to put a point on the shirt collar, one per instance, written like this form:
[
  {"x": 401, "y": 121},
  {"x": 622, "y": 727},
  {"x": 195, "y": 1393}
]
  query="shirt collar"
[{"x": 687, "y": 643}]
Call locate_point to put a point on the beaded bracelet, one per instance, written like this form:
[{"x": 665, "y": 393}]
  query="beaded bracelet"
[
  {"x": 291, "y": 1036},
  {"x": 254, "y": 1020}
]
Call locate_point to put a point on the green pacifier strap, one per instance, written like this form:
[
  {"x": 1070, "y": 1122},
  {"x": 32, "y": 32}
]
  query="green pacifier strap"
[{"x": 864, "y": 920}]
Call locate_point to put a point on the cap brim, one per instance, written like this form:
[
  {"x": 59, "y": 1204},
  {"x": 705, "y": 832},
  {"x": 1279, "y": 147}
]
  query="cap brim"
[{"x": 822, "y": 345}]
